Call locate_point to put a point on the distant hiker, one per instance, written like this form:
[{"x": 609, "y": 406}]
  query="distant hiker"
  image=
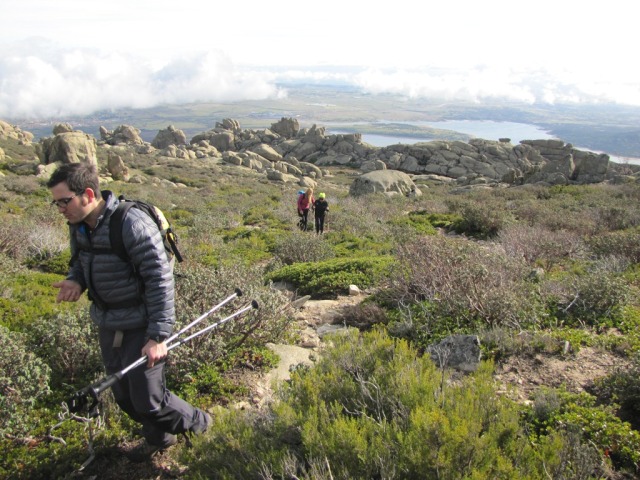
[
  {"x": 305, "y": 202},
  {"x": 320, "y": 207},
  {"x": 132, "y": 303}
]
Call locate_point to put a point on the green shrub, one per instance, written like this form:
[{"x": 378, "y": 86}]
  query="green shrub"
[
  {"x": 69, "y": 343},
  {"x": 24, "y": 378},
  {"x": 26, "y": 296},
  {"x": 500, "y": 342},
  {"x": 262, "y": 216},
  {"x": 298, "y": 247},
  {"x": 481, "y": 218},
  {"x": 595, "y": 298},
  {"x": 625, "y": 243},
  {"x": 180, "y": 216},
  {"x": 372, "y": 408},
  {"x": 350, "y": 245},
  {"x": 332, "y": 277},
  {"x": 419, "y": 221},
  {"x": 597, "y": 424},
  {"x": 248, "y": 249},
  {"x": 622, "y": 387},
  {"x": 57, "y": 264}
]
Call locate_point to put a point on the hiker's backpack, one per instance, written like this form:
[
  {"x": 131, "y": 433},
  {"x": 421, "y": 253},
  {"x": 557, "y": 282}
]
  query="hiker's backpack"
[{"x": 169, "y": 237}]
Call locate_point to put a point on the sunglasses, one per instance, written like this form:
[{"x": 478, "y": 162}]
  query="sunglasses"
[{"x": 63, "y": 202}]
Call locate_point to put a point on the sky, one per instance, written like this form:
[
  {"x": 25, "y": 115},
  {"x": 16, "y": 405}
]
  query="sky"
[{"x": 75, "y": 57}]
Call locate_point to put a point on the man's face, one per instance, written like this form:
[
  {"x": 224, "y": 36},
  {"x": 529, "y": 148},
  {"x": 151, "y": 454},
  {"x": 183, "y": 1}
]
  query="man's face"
[{"x": 75, "y": 207}]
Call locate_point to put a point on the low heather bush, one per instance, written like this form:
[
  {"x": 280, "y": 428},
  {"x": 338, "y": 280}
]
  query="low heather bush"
[
  {"x": 540, "y": 246},
  {"x": 68, "y": 342},
  {"x": 625, "y": 243},
  {"x": 24, "y": 378},
  {"x": 593, "y": 298},
  {"x": 13, "y": 235},
  {"x": 198, "y": 289},
  {"x": 622, "y": 387},
  {"x": 297, "y": 247},
  {"x": 482, "y": 217},
  {"x": 368, "y": 214},
  {"x": 466, "y": 282}
]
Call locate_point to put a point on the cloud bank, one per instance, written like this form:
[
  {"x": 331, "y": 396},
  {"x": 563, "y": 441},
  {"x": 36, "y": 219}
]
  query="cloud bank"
[{"x": 39, "y": 80}]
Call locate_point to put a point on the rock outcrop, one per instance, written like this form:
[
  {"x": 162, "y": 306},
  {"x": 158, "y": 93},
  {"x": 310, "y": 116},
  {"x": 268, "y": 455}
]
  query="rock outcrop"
[
  {"x": 11, "y": 131},
  {"x": 117, "y": 168},
  {"x": 124, "y": 134},
  {"x": 390, "y": 182},
  {"x": 68, "y": 146},
  {"x": 169, "y": 136}
]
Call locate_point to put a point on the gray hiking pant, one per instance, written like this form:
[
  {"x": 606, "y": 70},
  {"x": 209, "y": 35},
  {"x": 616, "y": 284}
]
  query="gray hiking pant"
[{"x": 142, "y": 393}]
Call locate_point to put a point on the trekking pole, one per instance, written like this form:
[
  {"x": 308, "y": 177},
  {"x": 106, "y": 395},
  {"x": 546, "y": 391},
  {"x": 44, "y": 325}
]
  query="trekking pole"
[
  {"x": 238, "y": 293},
  {"x": 253, "y": 304},
  {"x": 79, "y": 399}
]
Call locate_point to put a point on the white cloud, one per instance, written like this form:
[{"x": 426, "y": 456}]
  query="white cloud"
[
  {"x": 140, "y": 54},
  {"x": 45, "y": 82}
]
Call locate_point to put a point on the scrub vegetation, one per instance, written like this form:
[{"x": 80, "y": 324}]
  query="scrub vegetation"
[{"x": 527, "y": 269}]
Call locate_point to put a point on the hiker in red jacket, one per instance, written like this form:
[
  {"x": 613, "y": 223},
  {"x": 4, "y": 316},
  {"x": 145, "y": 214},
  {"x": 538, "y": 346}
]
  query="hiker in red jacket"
[{"x": 304, "y": 204}]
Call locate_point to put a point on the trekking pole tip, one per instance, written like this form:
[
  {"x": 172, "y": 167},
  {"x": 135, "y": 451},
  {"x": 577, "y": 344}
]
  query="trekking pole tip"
[
  {"x": 254, "y": 304},
  {"x": 238, "y": 292}
]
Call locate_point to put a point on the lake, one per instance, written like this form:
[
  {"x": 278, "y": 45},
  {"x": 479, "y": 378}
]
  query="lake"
[{"x": 487, "y": 129}]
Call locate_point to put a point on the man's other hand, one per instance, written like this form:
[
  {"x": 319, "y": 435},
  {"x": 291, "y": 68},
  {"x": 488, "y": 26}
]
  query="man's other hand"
[{"x": 70, "y": 291}]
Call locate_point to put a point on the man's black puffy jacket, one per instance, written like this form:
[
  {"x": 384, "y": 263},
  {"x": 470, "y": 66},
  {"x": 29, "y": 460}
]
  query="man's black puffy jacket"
[{"x": 127, "y": 298}]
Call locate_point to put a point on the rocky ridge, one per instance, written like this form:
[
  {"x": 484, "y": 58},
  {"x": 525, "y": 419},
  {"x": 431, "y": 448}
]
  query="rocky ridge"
[{"x": 286, "y": 153}]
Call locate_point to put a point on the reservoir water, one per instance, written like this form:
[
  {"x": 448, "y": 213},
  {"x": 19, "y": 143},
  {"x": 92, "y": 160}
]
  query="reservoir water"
[{"x": 487, "y": 129}]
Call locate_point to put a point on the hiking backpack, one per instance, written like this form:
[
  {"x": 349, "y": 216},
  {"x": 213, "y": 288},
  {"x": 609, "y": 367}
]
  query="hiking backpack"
[{"x": 169, "y": 237}]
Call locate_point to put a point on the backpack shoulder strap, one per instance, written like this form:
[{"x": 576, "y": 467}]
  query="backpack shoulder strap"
[{"x": 115, "y": 229}]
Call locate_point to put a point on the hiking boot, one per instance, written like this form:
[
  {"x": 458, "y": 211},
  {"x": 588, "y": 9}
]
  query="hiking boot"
[{"x": 145, "y": 451}]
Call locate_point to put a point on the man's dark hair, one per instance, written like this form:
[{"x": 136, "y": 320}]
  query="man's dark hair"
[{"x": 78, "y": 177}]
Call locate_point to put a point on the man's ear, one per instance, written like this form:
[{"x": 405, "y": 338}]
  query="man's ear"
[{"x": 90, "y": 194}]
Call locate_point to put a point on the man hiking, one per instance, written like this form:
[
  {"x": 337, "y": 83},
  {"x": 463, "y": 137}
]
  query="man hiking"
[
  {"x": 320, "y": 207},
  {"x": 132, "y": 303}
]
